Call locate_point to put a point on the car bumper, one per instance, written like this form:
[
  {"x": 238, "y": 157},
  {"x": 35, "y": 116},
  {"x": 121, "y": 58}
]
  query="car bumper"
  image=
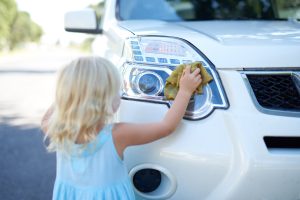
[{"x": 223, "y": 156}]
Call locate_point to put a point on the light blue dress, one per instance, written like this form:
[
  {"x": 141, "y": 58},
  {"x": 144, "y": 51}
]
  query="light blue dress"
[{"x": 95, "y": 173}]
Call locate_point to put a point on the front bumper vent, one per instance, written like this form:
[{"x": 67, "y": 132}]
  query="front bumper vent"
[{"x": 282, "y": 142}]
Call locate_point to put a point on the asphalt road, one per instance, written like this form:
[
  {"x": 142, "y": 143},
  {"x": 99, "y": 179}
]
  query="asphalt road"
[
  {"x": 27, "y": 170},
  {"x": 27, "y": 83}
]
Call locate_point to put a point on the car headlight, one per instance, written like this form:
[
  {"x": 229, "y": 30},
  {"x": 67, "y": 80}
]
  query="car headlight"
[{"x": 149, "y": 62}]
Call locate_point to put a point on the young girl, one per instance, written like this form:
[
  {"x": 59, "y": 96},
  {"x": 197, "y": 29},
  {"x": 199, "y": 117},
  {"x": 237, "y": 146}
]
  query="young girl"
[{"x": 90, "y": 150}]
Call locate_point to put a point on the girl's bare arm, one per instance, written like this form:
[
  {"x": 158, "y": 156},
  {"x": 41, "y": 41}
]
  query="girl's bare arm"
[{"x": 127, "y": 134}]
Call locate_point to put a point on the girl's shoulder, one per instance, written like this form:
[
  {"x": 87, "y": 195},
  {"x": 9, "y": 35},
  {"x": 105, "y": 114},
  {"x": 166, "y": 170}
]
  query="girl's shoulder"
[
  {"x": 120, "y": 131},
  {"x": 116, "y": 126}
]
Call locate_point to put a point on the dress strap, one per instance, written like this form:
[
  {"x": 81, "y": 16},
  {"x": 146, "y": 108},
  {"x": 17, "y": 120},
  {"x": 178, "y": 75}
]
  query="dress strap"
[
  {"x": 104, "y": 134},
  {"x": 93, "y": 146}
]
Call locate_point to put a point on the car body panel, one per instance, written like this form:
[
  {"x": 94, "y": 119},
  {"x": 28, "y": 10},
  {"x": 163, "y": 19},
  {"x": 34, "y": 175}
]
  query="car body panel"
[{"x": 222, "y": 156}]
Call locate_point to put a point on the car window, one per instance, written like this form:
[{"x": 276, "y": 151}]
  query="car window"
[
  {"x": 147, "y": 9},
  {"x": 184, "y": 10}
]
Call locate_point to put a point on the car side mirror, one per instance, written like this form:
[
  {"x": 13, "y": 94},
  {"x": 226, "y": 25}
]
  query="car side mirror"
[{"x": 82, "y": 21}]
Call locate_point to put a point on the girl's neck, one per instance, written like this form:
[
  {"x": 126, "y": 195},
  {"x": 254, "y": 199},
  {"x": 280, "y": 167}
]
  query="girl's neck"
[{"x": 81, "y": 140}]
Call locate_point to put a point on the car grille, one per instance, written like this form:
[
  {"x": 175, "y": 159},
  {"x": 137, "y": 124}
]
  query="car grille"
[{"x": 276, "y": 91}]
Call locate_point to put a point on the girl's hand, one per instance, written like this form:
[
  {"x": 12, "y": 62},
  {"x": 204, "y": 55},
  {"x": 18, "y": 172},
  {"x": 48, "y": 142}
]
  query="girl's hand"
[{"x": 190, "y": 81}]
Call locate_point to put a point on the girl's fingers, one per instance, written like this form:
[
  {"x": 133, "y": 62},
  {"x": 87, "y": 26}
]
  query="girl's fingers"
[
  {"x": 187, "y": 69},
  {"x": 198, "y": 76},
  {"x": 196, "y": 72},
  {"x": 198, "y": 79}
]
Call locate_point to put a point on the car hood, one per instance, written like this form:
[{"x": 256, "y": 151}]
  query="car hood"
[{"x": 232, "y": 44}]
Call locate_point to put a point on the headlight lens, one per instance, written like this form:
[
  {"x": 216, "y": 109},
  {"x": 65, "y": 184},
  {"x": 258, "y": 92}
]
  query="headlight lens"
[
  {"x": 149, "y": 62},
  {"x": 149, "y": 83}
]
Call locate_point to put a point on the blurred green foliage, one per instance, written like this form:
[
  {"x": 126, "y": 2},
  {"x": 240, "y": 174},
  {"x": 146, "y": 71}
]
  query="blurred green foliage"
[
  {"x": 16, "y": 27},
  {"x": 99, "y": 9},
  {"x": 287, "y": 4}
]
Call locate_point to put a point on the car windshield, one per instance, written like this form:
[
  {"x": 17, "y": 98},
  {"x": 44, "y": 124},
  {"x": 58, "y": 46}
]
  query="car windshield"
[{"x": 186, "y": 10}]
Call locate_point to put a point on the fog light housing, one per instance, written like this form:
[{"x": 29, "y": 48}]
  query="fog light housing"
[
  {"x": 147, "y": 180},
  {"x": 152, "y": 181}
]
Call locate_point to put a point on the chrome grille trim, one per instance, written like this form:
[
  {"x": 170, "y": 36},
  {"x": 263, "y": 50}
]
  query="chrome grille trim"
[{"x": 281, "y": 112}]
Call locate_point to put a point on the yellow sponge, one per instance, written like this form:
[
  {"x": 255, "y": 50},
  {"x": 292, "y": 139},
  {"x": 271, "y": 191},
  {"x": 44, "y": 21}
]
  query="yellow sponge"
[{"x": 172, "y": 83}]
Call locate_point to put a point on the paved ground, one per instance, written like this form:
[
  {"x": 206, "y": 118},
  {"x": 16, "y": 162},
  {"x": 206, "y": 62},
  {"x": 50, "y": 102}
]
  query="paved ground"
[
  {"x": 27, "y": 170},
  {"x": 27, "y": 84}
]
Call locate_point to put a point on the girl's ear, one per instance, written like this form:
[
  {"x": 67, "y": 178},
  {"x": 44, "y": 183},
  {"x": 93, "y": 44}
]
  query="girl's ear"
[{"x": 116, "y": 103}]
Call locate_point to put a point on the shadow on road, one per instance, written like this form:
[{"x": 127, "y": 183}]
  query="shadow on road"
[{"x": 27, "y": 170}]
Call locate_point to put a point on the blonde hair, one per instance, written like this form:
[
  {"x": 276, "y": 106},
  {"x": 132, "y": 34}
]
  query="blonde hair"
[{"x": 84, "y": 94}]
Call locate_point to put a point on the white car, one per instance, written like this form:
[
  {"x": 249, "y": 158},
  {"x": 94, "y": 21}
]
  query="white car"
[{"x": 240, "y": 139}]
